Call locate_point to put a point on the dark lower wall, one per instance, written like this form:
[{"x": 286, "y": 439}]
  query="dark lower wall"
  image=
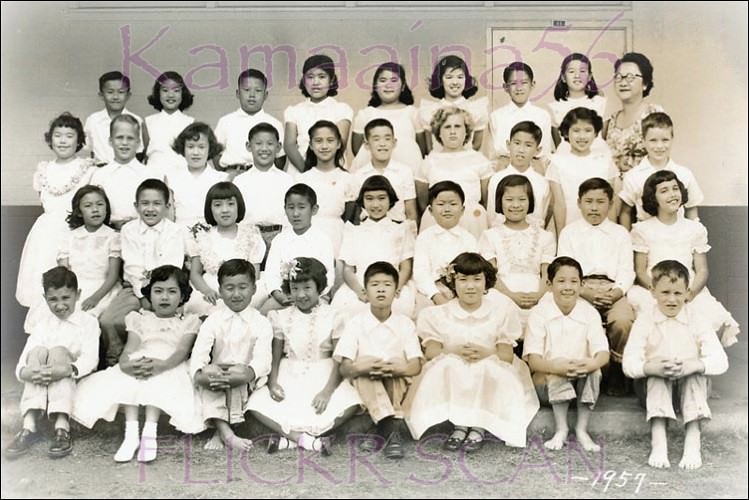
[{"x": 727, "y": 228}]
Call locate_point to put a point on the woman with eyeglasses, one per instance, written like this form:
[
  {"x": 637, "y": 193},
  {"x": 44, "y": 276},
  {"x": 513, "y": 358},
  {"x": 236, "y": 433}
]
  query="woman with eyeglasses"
[{"x": 633, "y": 81}]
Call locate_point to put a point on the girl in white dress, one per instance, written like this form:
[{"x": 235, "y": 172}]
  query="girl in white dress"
[
  {"x": 319, "y": 84},
  {"x": 451, "y": 82},
  {"x": 392, "y": 100},
  {"x": 376, "y": 238},
  {"x": 471, "y": 377},
  {"x": 519, "y": 250},
  {"x": 152, "y": 371},
  {"x": 91, "y": 249},
  {"x": 468, "y": 168},
  {"x": 224, "y": 239},
  {"x": 170, "y": 96},
  {"x": 56, "y": 182},
  {"x": 334, "y": 185},
  {"x": 576, "y": 88},
  {"x": 306, "y": 397},
  {"x": 670, "y": 236}
]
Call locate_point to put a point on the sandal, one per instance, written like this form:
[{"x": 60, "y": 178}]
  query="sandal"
[
  {"x": 474, "y": 441},
  {"x": 456, "y": 439}
]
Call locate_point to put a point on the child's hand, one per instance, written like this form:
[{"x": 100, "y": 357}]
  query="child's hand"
[
  {"x": 658, "y": 367},
  {"x": 362, "y": 295},
  {"x": 276, "y": 391},
  {"x": 321, "y": 400},
  {"x": 368, "y": 366},
  {"x": 281, "y": 298},
  {"x": 211, "y": 296},
  {"x": 28, "y": 374},
  {"x": 89, "y": 303},
  {"x": 154, "y": 366},
  {"x": 439, "y": 299},
  {"x": 393, "y": 367},
  {"x": 60, "y": 372},
  {"x": 475, "y": 352},
  {"x": 565, "y": 367},
  {"x": 585, "y": 366},
  {"x": 145, "y": 303}
]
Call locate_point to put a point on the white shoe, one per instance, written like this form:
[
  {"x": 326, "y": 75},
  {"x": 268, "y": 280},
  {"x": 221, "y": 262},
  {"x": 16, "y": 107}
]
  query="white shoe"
[
  {"x": 148, "y": 448},
  {"x": 127, "y": 449}
]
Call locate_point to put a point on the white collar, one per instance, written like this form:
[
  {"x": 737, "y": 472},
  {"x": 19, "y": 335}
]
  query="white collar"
[{"x": 482, "y": 312}]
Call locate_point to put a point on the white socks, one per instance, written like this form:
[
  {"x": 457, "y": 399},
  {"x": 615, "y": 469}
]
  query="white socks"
[
  {"x": 148, "y": 444},
  {"x": 309, "y": 442},
  {"x": 129, "y": 444}
]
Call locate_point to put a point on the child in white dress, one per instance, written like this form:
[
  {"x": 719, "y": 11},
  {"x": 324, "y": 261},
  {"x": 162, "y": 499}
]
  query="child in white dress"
[
  {"x": 305, "y": 397},
  {"x": 670, "y": 236},
  {"x": 56, "y": 182},
  {"x": 471, "y": 378},
  {"x": 152, "y": 371},
  {"x": 92, "y": 249}
]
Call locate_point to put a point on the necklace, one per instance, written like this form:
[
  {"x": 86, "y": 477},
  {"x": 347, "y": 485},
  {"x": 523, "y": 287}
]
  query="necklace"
[{"x": 59, "y": 190}]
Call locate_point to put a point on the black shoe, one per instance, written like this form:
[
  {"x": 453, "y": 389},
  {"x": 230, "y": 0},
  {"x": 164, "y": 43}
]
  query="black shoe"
[
  {"x": 473, "y": 442},
  {"x": 61, "y": 445},
  {"x": 455, "y": 441},
  {"x": 21, "y": 443},
  {"x": 325, "y": 446},
  {"x": 273, "y": 443},
  {"x": 394, "y": 446}
]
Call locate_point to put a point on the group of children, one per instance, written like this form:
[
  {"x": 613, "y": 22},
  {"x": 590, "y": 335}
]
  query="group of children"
[{"x": 408, "y": 285}]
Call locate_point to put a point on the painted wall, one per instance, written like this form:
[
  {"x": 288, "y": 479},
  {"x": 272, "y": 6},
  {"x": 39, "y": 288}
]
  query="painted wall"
[{"x": 53, "y": 53}]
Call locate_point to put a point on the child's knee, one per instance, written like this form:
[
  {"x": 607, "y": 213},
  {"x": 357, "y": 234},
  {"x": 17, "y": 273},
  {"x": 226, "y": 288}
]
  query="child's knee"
[
  {"x": 38, "y": 356},
  {"x": 59, "y": 356}
]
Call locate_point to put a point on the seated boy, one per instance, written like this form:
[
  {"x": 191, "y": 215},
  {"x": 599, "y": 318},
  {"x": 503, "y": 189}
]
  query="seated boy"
[
  {"x": 674, "y": 348},
  {"x": 63, "y": 346},
  {"x": 565, "y": 347},
  {"x": 377, "y": 351},
  {"x": 232, "y": 355}
]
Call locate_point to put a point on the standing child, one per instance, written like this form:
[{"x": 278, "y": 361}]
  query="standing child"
[
  {"x": 147, "y": 243},
  {"x": 232, "y": 129},
  {"x": 232, "y": 355},
  {"x": 378, "y": 352},
  {"x": 319, "y": 84},
  {"x": 518, "y": 83},
  {"x": 519, "y": 250},
  {"x": 670, "y": 236},
  {"x": 568, "y": 170},
  {"x": 152, "y": 370},
  {"x": 391, "y": 101},
  {"x": 225, "y": 239},
  {"x": 451, "y": 82},
  {"x": 674, "y": 349},
  {"x": 56, "y": 182},
  {"x": 170, "y": 96},
  {"x": 114, "y": 90},
  {"x": 376, "y": 238},
  {"x": 190, "y": 182},
  {"x": 452, "y": 128},
  {"x": 305, "y": 398},
  {"x": 565, "y": 347},
  {"x": 604, "y": 251},
  {"x": 325, "y": 174},
  {"x": 658, "y": 133},
  {"x": 576, "y": 88},
  {"x": 92, "y": 249},
  {"x": 62, "y": 346},
  {"x": 472, "y": 378}
]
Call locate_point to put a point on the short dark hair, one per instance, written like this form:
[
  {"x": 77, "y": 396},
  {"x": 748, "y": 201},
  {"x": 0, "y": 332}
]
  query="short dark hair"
[
  {"x": 377, "y": 122},
  {"x": 236, "y": 267},
  {"x": 643, "y": 63},
  {"x": 59, "y": 277},
  {"x": 649, "y": 203},
  {"x": 560, "y": 262},
  {"x": 672, "y": 269},
  {"x": 252, "y": 73},
  {"x": 263, "y": 127},
  {"x": 155, "y": 98},
  {"x": 68, "y": 121},
  {"x": 380, "y": 267},
  {"x": 192, "y": 133},
  {"x": 326, "y": 64},
  {"x": 442, "y": 186},
  {"x": 301, "y": 189},
  {"x": 447, "y": 63},
  {"x": 579, "y": 114},
  {"x": 125, "y": 118},
  {"x": 223, "y": 191},
  {"x": 156, "y": 185},
  {"x": 516, "y": 66},
  {"x": 469, "y": 263},
  {"x": 377, "y": 183},
  {"x": 514, "y": 180},
  {"x": 112, "y": 76},
  {"x": 406, "y": 97},
  {"x": 75, "y": 218},
  {"x": 595, "y": 183},
  {"x": 163, "y": 273},
  {"x": 308, "y": 268},
  {"x": 528, "y": 127},
  {"x": 656, "y": 120}
]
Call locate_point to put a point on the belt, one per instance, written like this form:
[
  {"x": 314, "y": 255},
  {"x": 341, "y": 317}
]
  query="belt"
[{"x": 269, "y": 227}]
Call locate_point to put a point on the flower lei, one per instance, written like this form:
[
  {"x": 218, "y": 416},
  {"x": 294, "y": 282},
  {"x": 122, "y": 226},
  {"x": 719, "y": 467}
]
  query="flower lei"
[
  {"x": 198, "y": 228},
  {"x": 447, "y": 273},
  {"x": 290, "y": 270},
  {"x": 46, "y": 186}
]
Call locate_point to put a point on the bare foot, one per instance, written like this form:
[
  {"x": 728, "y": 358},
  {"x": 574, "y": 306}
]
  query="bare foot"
[
  {"x": 557, "y": 441},
  {"x": 692, "y": 457},
  {"x": 658, "y": 445},
  {"x": 237, "y": 443},
  {"x": 586, "y": 441},
  {"x": 215, "y": 443}
]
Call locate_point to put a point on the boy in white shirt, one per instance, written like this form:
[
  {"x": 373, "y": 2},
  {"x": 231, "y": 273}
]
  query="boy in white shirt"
[
  {"x": 232, "y": 129},
  {"x": 674, "y": 348}
]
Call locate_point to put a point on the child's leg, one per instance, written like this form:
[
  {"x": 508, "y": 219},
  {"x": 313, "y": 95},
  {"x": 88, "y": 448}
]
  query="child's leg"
[
  {"x": 229, "y": 438},
  {"x": 659, "y": 407},
  {"x": 581, "y": 428},
  {"x": 112, "y": 320},
  {"x": 34, "y": 396},
  {"x": 561, "y": 429},
  {"x": 658, "y": 444},
  {"x": 148, "y": 444},
  {"x": 60, "y": 394},
  {"x": 131, "y": 441},
  {"x": 692, "y": 456},
  {"x": 285, "y": 441},
  {"x": 693, "y": 393},
  {"x": 588, "y": 390},
  {"x": 619, "y": 320}
]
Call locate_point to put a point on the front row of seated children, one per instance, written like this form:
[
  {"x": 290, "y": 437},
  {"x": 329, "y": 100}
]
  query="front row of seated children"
[{"x": 303, "y": 375}]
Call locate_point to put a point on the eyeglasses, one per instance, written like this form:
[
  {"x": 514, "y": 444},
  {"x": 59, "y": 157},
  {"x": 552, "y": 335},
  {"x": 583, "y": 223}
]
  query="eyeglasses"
[{"x": 630, "y": 77}]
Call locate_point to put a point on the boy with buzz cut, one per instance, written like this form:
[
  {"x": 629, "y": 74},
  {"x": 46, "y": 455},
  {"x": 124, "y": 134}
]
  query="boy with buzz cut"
[
  {"x": 232, "y": 129},
  {"x": 565, "y": 348},
  {"x": 380, "y": 141},
  {"x": 658, "y": 134},
  {"x": 114, "y": 90},
  {"x": 523, "y": 145},
  {"x": 604, "y": 250},
  {"x": 673, "y": 348},
  {"x": 377, "y": 351},
  {"x": 62, "y": 346},
  {"x": 232, "y": 355}
]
